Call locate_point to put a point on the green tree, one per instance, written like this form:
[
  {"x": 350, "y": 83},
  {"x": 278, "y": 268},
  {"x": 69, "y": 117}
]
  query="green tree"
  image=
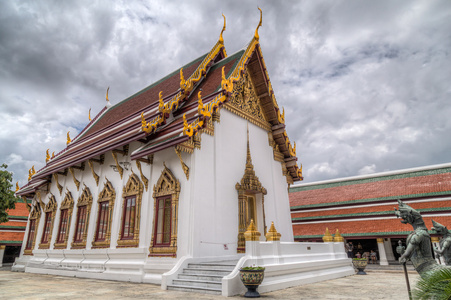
[{"x": 7, "y": 198}]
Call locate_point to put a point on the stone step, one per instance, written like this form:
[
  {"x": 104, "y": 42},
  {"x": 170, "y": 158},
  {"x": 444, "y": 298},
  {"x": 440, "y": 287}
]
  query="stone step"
[
  {"x": 216, "y": 278},
  {"x": 195, "y": 289},
  {"x": 197, "y": 283},
  {"x": 205, "y": 272},
  {"x": 207, "y": 266}
]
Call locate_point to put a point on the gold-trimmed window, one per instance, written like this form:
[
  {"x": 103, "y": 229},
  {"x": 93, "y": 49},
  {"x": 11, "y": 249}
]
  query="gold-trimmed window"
[
  {"x": 102, "y": 235},
  {"x": 35, "y": 216},
  {"x": 83, "y": 212},
  {"x": 131, "y": 212},
  {"x": 65, "y": 217},
  {"x": 50, "y": 212},
  {"x": 166, "y": 197}
]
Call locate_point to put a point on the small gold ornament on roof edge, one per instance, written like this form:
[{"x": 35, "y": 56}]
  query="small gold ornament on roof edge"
[
  {"x": 68, "y": 138},
  {"x": 47, "y": 156}
]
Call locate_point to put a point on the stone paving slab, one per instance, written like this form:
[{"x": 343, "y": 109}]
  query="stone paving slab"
[{"x": 375, "y": 285}]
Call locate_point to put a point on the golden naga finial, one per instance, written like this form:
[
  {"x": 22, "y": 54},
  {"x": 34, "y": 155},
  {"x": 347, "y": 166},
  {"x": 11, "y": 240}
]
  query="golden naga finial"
[
  {"x": 185, "y": 123},
  {"x": 161, "y": 105},
  {"x": 259, "y": 24},
  {"x": 53, "y": 154},
  {"x": 107, "y": 100},
  {"x": 47, "y": 156},
  {"x": 17, "y": 186},
  {"x": 199, "y": 101},
  {"x": 68, "y": 138},
  {"x": 182, "y": 80},
  {"x": 226, "y": 84},
  {"x": 89, "y": 115},
  {"x": 221, "y": 39},
  {"x": 143, "y": 121},
  {"x": 29, "y": 175},
  {"x": 33, "y": 171}
]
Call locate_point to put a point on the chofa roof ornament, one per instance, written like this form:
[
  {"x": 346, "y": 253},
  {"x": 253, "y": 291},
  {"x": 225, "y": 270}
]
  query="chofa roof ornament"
[{"x": 259, "y": 24}]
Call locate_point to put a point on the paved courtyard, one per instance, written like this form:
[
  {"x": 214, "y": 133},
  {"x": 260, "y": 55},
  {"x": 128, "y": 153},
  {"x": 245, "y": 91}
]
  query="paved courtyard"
[{"x": 375, "y": 285}]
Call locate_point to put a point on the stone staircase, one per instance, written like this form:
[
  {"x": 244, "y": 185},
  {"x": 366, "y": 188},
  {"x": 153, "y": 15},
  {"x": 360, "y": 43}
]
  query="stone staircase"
[{"x": 203, "y": 278}]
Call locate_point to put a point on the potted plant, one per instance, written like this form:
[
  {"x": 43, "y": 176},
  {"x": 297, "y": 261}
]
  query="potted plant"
[
  {"x": 252, "y": 277},
  {"x": 360, "y": 264}
]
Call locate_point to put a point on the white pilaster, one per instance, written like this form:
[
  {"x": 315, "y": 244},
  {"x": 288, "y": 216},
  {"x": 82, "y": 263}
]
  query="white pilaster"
[
  {"x": 2, "y": 252},
  {"x": 436, "y": 244},
  {"x": 389, "y": 249},
  {"x": 382, "y": 254}
]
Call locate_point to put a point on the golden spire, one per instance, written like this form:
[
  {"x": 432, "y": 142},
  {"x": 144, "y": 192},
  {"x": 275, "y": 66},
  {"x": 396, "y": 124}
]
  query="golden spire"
[
  {"x": 89, "y": 115},
  {"x": 182, "y": 80},
  {"x": 47, "y": 156},
  {"x": 29, "y": 175},
  {"x": 327, "y": 236},
  {"x": 68, "y": 138},
  {"x": 221, "y": 39},
  {"x": 272, "y": 234},
  {"x": 161, "y": 105},
  {"x": 259, "y": 24},
  {"x": 17, "y": 186},
  {"x": 338, "y": 237},
  {"x": 252, "y": 233}
]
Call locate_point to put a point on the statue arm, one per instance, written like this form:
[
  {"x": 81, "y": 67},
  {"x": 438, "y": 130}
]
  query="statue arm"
[
  {"x": 445, "y": 247},
  {"x": 407, "y": 253}
]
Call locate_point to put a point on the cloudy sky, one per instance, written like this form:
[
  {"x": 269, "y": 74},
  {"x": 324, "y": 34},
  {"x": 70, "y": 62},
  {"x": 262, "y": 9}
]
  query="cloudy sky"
[{"x": 366, "y": 85}]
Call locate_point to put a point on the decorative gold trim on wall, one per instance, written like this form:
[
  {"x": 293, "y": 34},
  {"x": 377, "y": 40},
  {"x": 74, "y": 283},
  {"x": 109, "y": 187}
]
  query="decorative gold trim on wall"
[
  {"x": 50, "y": 207},
  {"x": 58, "y": 185},
  {"x": 94, "y": 174},
  {"x": 187, "y": 146},
  {"x": 77, "y": 183},
  {"x": 143, "y": 178},
  {"x": 68, "y": 203},
  {"x": 84, "y": 200},
  {"x": 134, "y": 187},
  {"x": 107, "y": 194},
  {"x": 119, "y": 168},
  {"x": 166, "y": 185},
  {"x": 250, "y": 184},
  {"x": 184, "y": 166}
]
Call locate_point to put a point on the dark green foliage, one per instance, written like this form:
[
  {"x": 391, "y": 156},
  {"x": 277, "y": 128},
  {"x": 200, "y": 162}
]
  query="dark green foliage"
[
  {"x": 435, "y": 284},
  {"x": 7, "y": 198}
]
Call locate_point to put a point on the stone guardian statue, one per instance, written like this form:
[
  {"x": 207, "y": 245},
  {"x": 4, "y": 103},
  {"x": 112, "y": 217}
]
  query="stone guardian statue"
[{"x": 445, "y": 242}]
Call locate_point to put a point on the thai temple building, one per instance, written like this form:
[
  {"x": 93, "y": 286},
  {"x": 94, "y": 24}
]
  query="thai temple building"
[
  {"x": 189, "y": 174},
  {"x": 361, "y": 208},
  {"x": 12, "y": 232}
]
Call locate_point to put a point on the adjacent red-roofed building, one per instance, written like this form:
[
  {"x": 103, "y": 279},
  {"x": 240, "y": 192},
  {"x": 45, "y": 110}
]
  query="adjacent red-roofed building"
[{"x": 361, "y": 208}]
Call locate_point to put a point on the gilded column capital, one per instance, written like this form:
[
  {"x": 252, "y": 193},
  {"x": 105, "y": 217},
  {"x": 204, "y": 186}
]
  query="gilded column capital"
[
  {"x": 380, "y": 240},
  {"x": 435, "y": 239}
]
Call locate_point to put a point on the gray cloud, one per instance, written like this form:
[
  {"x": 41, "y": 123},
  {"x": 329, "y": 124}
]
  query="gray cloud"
[{"x": 365, "y": 85}]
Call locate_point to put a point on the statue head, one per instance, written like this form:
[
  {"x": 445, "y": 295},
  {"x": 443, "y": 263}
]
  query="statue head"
[
  {"x": 439, "y": 228},
  {"x": 407, "y": 213}
]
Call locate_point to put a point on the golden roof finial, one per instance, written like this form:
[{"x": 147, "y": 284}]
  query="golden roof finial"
[
  {"x": 33, "y": 171},
  {"x": 199, "y": 101},
  {"x": 259, "y": 24},
  {"x": 47, "y": 156},
  {"x": 160, "y": 99},
  {"x": 68, "y": 138},
  {"x": 182, "y": 80},
  {"x": 89, "y": 115},
  {"x": 53, "y": 154},
  {"x": 338, "y": 237},
  {"x": 29, "y": 175},
  {"x": 108, "y": 100},
  {"x": 327, "y": 236},
  {"x": 221, "y": 39},
  {"x": 17, "y": 186}
]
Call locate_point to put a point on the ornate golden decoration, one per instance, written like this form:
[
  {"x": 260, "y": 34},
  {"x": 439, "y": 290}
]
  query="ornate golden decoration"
[
  {"x": 68, "y": 138},
  {"x": 327, "y": 236},
  {"x": 107, "y": 100},
  {"x": 201, "y": 108},
  {"x": 434, "y": 239},
  {"x": 50, "y": 207},
  {"x": 84, "y": 200},
  {"x": 338, "y": 237},
  {"x": 221, "y": 39},
  {"x": 119, "y": 168},
  {"x": 166, "y": 185},
  {"x": 184, "y": 166},
  {"x": 252, "y": 233},
  {"x": 17, "y": 186},
  {"x": 31, "y": 172},
  {"x": 245, "y": 103},
  {"x": 259, "y": 24},
  {"x": 94, "y": 174},
  {"x": 77, "y": 183},
  {"x": 34, "y": 215},
  {"x": 143, "y": 178},
  {"x": 107, "y": 194},
  {"x": 47, "y": 156},
  {"x": 187, "y": 146},
  {"x": 272, "y": 234},
  {"x": 68, "y": 203},
  {"x": 250, "y": 184},
  {"x": 380, "y": 240},
  {"x": 89, "y": 115},
  {"x": 133, "y": 187},
  {"x": 58, "y": 185}
]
